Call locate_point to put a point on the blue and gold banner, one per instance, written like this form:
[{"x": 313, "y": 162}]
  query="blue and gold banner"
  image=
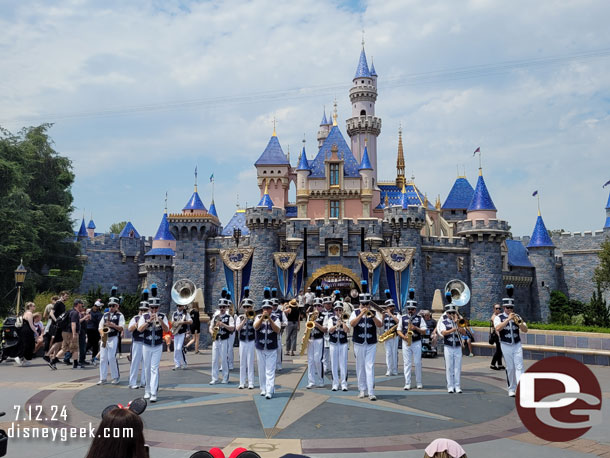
[
  {"x": 370, "y": 263},
  {"x": 398, "y": 263},
  {"x": 238, "y": 267},
  {"x": 284, "y": 264}
]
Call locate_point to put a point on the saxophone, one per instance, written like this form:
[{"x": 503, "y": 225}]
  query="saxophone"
[
  {"x": 105, "y": 331},
  {"x": 308, "y": 327},
  {"x": 389, "y": 334},
  {"x": 216, "y": 328}
]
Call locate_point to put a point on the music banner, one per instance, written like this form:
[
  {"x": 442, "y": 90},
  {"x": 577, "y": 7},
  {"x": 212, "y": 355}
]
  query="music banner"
[
  {"x": 284, "y": 264},
  {"x": 398, "y": 263},
  {"x": 238, "y": 267},
  {"x": 370, "y": 263}
]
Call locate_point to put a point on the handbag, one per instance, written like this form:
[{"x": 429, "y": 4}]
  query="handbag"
[
  {"x": 19, "y": 322},
  {"x": 493, "y": 337}
]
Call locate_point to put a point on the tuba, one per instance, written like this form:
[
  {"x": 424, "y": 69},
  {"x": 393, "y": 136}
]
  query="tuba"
[
  {"x": 184, "y": 291},
  {"x": 460, "y": 293}
]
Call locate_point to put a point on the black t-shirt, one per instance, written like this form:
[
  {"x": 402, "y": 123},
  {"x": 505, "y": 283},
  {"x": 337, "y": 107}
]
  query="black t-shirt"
[
  {"x": 59, "y": 308},
  {"x": 293, "y": 314},
  {"x": 74, "y": 318}
]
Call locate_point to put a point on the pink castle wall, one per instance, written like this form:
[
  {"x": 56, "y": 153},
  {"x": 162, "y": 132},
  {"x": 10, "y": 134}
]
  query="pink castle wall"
[
  {"x": 353, "y": 209},
  {"x": 316, "y": 209}
]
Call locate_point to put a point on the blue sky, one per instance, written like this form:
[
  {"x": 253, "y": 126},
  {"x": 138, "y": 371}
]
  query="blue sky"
[{"x": 141, "y": 92}]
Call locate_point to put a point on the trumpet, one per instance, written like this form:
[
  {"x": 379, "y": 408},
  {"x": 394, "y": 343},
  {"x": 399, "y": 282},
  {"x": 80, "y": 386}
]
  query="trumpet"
[
  {"x": 517, "y": 319},
  {"x": 250, "y": 315},
  {"x": 345, "y": 317},
  {"x": 308, "y": 327}
]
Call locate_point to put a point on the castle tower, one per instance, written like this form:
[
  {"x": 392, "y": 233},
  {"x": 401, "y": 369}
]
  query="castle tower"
[
  {"x": 325, "y": 126},
  {"x": 303, "y": 172},
  {"x": 195, "y": 206},
  {"x": 400, "y": 163},
  {"x": 273, "y": 171},
  {"x": 158, "y": 262},
  {"x": 212, "y": 211},
  {"x": 607, "y": 225},
  {"x": 457, "y": 202},
  {"x": 91, "y": 229},
  {"x": 82, "y": 231},
  {"x": 363, "y": 123},
  {"x": 366, "y": 172},
  {"x": 264, "y": 222},
  {"x": 541, "y": 252},
  {"x": 485, "y": 235}
]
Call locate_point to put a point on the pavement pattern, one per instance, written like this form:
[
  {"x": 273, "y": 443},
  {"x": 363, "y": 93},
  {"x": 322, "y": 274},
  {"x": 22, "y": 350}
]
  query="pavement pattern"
[{"x": 193, "y": 415}]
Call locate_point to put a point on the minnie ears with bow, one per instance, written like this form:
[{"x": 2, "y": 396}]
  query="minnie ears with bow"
[{"x": 137, "y": 406}]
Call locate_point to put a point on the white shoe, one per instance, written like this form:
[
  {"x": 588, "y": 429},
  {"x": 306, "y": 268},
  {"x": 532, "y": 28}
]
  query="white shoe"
[
  {"x": 263, "y": 393},
  {"x": 101, "y": 382},
  {"x": 134, "y": 387},
  {"x": 450, "y": 390},
  {"x": 511, "y": 393},
  {"x": 335, "y": 388},
  {"x": 387, "y": 373},
  {"x": 250, "y": 387},
  {"x": 344, "y": 388},
  {"x": 406, "y": 387},
  {"x": 153, "y": 398},
  {"x": 310, "y": 386},
  {"x": 320, "y": 386},
  {"x": 420, "y": 386},
  {"x": 18, "y": 361},
  {"x": 224, "y": 382},
  {"x": 458, "y": 390},
  {"x": 361, "y": 395},
  {"x": 372, "y": 397},
  {"x": 268, "y": 396},
  {"x": 213, "y": 382},
  {"x": 146, "y": 395},
  {"x": 176, "y": 368},
  {"x": 115, "y": 381},
  {"x": 241, "y": 387},
  {"x": 184, "y": 366},
  {"x": 394, "y": 373}
]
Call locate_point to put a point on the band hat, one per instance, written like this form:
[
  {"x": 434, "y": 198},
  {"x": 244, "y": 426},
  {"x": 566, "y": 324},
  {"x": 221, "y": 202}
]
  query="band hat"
[
  {"x": 450, "y": 308},
  {"x": 247, "y": 302},
  {"x": 364, "y": 298},
  {"x": 113, "y": 301},
  {"x": 389, "y": 303},
  {"x": 143, "y": 306},
  {"x": 508, "y": 302},
  {"x": 338, "y": 305},
  {"x": 267, "y": 303},
  {"x": 411, "y": 304},
  {"x": 318, "y": 301}
]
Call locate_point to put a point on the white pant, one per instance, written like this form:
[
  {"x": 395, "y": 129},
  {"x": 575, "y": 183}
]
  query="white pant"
[
  {"x": 325, "y": 356},
  {"x": 230, "y": 353},
  {"x": 391, "y": 355},
  {"x": 137, "y": 360},
  {"x": 108, "y": 358},
  {"x": 338, "y": 358},
  {"x": 513, "y": 356},
  {"x": 152, "y": 358},
  {"x": 179, "y": 356},
  {"x": 246, "y": 362},
  {"x": 278, "y": 363},
  {"x": 314, "y": 361},
  {"x": 266, "y": 370},
  {"x": 365, "y": 366},
  {"x": 412, "y": 355},
  {"x": 220, "y": 349},
  {"x": 453, "y": 366}
]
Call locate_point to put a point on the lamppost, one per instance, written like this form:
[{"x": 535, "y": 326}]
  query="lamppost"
[
  {"x": 397, "y": 236},
  {"x": 236, "y": 235},
  {"x": 19, "y": 279}
]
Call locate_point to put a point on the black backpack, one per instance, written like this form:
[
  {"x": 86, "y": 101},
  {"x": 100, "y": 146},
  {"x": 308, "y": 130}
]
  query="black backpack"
[{"x": 63, "y": 321}]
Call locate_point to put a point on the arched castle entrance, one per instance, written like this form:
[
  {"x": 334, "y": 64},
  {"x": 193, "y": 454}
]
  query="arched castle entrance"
[{"x": 335, "y": 276}]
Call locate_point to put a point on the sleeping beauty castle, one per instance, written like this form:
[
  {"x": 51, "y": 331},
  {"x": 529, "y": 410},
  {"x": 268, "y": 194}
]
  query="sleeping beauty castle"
[{"x": 346, "y": 226}]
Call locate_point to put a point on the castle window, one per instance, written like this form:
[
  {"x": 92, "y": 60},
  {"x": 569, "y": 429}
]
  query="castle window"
[
  {"x": 264, "y": 172},
  {"x": 453, "y": 212},
  {"x": 362, "y": 112},
  {"x": 362, "y": 81},
  {"x": 334, "y": 174},
  {"x": 334, "y": 209}
]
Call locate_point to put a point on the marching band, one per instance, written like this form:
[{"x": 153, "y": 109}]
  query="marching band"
[{"x": 259, "y": 331}]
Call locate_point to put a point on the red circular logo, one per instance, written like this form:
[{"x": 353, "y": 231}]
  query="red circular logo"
[{"x": 559, "y": 399}]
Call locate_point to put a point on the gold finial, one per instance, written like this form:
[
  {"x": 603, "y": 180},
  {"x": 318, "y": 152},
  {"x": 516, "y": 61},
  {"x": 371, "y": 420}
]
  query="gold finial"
[
  {"x": 195, "y": 178},
  {"x": 426, "y": 200},
  {"x": 404, "y": 189},
  {"x": 266, "y": 187},
  {"x": 335, "y": 112},
  {"x": 438, "y": 202},
  {"x": 274, "y": 134},
  {"x": 400, "y": 160},
  {"x": 366, "y": 139},
  {"x": 386, "y": 200},
  {"x": 480, "y": 171}
]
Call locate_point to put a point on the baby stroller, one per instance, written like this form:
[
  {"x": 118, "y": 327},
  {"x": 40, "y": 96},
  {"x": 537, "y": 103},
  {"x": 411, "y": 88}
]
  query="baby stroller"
[
  {"x": 9, "y": 341},
  {"x": 427, "y": 350}
]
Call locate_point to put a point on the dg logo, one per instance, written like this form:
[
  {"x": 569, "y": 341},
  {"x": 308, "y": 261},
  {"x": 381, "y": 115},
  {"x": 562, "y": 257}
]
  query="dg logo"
[{"x": 559, "y": 399}]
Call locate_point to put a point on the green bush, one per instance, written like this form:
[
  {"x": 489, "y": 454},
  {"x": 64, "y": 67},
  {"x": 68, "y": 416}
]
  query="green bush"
[{"x": 129, "y": 304}]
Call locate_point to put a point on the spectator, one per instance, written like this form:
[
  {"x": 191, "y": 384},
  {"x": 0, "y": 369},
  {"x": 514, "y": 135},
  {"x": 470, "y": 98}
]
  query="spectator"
[
  {"x": 47, "y": 316},
  {"x": 85, "y": 317},
  {"x": 468, "y": 339},
  {"x": 93, "y": 335},
  {"x": 430, "y": 325},
  {"x": 195, "y": 327},
  {"x": 444, "y": 448},
  {"x": 124, "y": 446},
  {"x": 55, "y": 331},
  {"x": 37, "y": 317},
  {"x": 494, "y": 339},
  {"x": 27, "y": 336},
  {"x": 69, "y": 333}
]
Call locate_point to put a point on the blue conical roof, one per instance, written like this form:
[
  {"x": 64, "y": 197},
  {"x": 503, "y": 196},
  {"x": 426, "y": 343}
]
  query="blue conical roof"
[
  {"x": 266, "y": 202},
  {"x": 365, "y": 164},
  {"x": 82, "y": 232},
  {"x": 373, "y": 72},
  {"x": 212, "y": 210},
  {"x": 237, "y": 222},
  {"x": 194, "y": 203},
  {"x": 460, "y": 195},
  {"x": 481, "y": 200},
  {"x": 129, "y": 231},
  {"x": 363, "y": 69},
  {"x": 303, "y": 163},
  {"x": 540, "y": 236},
  {"x": 350, "y": 164},
  {"x": 91, "y": 224},
  {"x": 324, "y": 121},
  {"x": 273, "y": 154},
  {"x": 163, "y": 233}
]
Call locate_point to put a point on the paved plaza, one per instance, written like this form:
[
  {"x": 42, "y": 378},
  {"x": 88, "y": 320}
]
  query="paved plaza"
[{"x": 193, "y": 415}]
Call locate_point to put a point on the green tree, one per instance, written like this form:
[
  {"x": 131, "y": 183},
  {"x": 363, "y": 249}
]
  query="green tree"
[
  {"x": 35, "y": 207},
  {"x": 596, "y": 312},
  {"x": 116, "y": 228},
  {"x": 602, "y": 272}
]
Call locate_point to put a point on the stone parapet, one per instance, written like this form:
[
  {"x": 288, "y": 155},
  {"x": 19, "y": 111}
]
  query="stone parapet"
[{"x": 363, "y": 124}]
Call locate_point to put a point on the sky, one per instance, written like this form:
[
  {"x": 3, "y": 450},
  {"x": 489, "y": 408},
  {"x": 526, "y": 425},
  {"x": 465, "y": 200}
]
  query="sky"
[{"x": 142, "y": 92}]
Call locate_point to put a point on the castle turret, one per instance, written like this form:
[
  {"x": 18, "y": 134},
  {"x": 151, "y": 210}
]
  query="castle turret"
[
  {"x": 363, "y": 123},
  {"x": 158, "y": 262},
  {"x": 541, "y": 252},
  {"x": 400, "y": 163},
  {"x": 303, "y": 172},
  {"x": 91, "y": 229},
  {"x": 457, "y": 202},
  {"x": 273, "y": 171},
  {"x": 82, "y": 231},
  {"x": 607, "y": 225},
  {"x": 325, "y": 126},
  {"x": 212, "y": 211},
  {"x": 366, "y": 172},
  {"x": 485, "y": 235}
]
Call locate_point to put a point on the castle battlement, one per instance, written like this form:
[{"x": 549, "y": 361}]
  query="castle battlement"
[
  {"x": 449, "y": 242},
  {"x": 413, "y": 216},
  {"x": 582, "y": 234},
  {"x": 262, "y": 217}
]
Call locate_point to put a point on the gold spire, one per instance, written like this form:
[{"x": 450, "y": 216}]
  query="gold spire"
[
  {"x": 480, "y": 171},
  {"x": 335, "y": 113},
  {"x": 274, "y": 134},
  {"x": 266, "y": 187},
  {"x": 386, "y": 200},
  {"x": 438, "y": 202},
  {"x": 400, "y": 160},
  {"x": 426, "y": 200}
]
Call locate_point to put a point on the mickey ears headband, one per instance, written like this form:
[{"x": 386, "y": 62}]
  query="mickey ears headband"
[{"x": 137, "y": 406}]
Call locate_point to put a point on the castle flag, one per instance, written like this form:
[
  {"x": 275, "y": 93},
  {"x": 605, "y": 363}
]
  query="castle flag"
[
  {"x": 606, "y": 184},
  {"x": 211, "y": 177},
  {"x": 535, "y": 193},
  {"x": 478, "y": 150}
]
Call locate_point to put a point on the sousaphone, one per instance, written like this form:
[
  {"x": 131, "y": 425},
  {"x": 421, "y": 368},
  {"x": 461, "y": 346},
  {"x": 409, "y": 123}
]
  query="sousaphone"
[
  {"x": 184, "y": 292},
  {"x": 460, "y": 293}
]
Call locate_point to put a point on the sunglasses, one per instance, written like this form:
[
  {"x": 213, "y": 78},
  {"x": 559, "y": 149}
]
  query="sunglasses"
[
  {"x": 497, "y": 308},
  {"x": 154, "y": 308}
]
